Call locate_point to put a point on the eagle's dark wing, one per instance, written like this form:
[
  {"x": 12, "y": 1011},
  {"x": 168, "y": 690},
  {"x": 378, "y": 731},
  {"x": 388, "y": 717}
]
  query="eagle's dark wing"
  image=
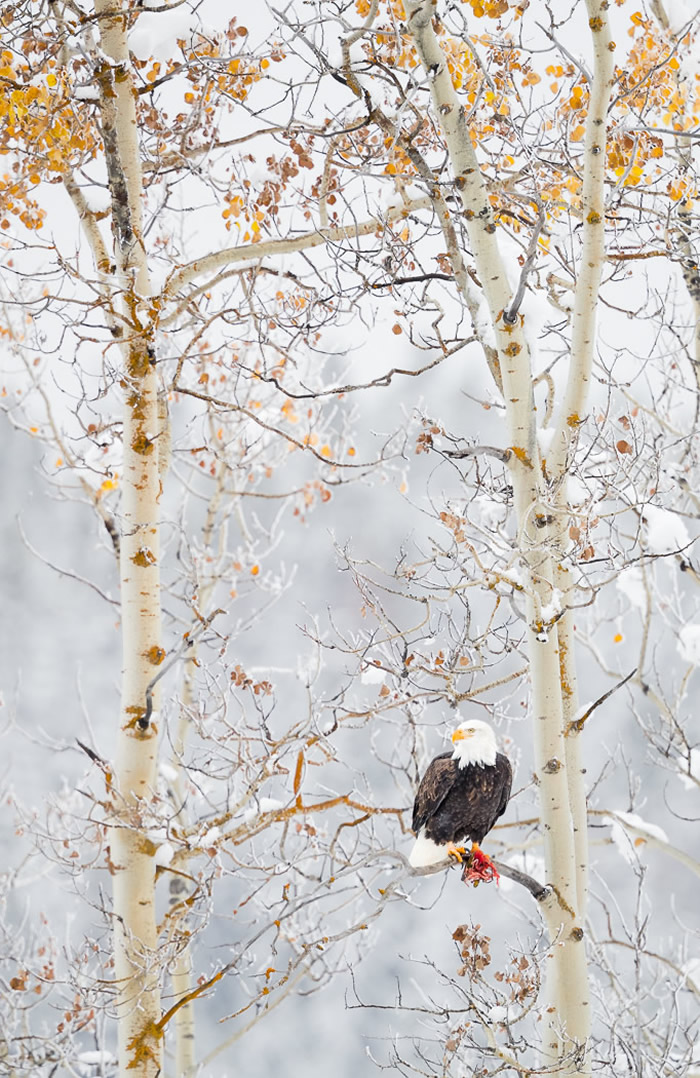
[
  {"x": 434, "y": 788},
  {"x": 505, "y": 774}
]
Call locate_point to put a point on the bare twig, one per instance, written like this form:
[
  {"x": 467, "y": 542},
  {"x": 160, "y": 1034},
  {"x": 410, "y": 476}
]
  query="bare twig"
[
  {"x": 188, "y": 640},
  {"x": 576, "y": 726}
]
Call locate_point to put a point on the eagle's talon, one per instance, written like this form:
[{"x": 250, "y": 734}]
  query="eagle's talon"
[{"x": 458, "y": 852}]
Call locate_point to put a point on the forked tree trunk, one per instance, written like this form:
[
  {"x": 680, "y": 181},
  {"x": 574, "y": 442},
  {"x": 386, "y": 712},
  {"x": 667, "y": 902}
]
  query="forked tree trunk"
[
  {"x": 541, "y": 541},
  {"x": 135, "y": 934}
]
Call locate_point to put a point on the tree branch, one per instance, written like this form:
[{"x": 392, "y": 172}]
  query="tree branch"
[{"x": 255, "y": 252}]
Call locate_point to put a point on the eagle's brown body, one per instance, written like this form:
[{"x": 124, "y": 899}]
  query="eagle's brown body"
[{"x": 455, "y": 804}]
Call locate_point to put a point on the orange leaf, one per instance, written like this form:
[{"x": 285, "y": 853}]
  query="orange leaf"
[{"x": 298, "y": 772}]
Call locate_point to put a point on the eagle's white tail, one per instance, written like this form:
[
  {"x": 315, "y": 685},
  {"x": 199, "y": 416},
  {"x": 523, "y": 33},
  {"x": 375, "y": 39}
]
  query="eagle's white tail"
[{"x": 426, "y": 852}]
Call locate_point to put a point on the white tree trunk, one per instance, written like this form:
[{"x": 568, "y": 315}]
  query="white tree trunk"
[
  {"x": 575, "y": 402},
  {"x": 135, "y": 932},
  {"x": 562, "y": 796}
]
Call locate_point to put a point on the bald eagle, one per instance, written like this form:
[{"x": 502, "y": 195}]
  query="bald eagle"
[{"x": 461, "y": 796}]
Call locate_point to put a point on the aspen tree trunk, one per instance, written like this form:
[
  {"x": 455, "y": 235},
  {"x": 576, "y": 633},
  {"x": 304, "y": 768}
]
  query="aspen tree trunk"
[
  {"x": 135, "y": 933},
  {"x": 562, "y": 796},
  {"x": 575, "y": 402}
]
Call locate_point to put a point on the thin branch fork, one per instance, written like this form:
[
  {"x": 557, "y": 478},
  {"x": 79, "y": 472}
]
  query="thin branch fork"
[
  {"x": 188, "y": 641},
  {"x": 510, "y": 315},
  {"x": 576, "y": 726}
]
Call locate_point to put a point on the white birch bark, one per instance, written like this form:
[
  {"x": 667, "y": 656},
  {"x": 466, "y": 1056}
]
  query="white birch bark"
[
  {"x": 135, "y": 933},
  {"x": 575, "y": 402},
  {"x": 561, "y": 793}
]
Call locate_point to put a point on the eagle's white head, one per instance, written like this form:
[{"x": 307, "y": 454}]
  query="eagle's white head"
[{"x": 474, "y": 743}]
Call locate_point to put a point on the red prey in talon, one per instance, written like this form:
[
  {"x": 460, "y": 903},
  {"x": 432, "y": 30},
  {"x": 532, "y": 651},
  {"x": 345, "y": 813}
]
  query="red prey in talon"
[{"x": 479, "y": 868}]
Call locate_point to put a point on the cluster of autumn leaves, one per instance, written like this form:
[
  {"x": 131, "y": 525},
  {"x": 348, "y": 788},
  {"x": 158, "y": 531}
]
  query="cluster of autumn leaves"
[
  {"x": 48, "y": 129},
  {"x": 529, "y": 125}
]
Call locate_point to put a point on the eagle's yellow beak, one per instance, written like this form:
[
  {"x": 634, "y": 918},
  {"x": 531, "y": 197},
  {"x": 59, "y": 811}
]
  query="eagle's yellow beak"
[{"x": 461, "y": 735}]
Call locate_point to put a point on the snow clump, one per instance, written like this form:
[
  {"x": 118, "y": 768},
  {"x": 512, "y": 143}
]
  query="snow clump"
[
  {"x": 630, "y": 832},
  {"x": 689, "y": 644},
  {"x": 665, "y": 531}
]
